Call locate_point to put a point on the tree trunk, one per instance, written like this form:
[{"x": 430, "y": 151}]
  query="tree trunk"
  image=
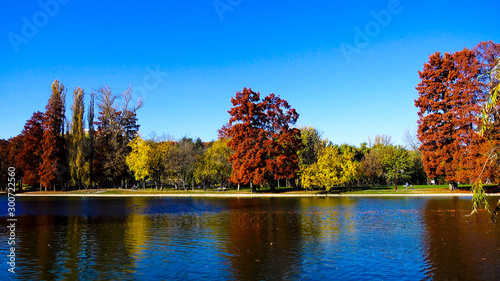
[
  {"x": 252, "y": 187},
  {"x": 272, "y": 187},
  {"x": 238, "y": 187}
]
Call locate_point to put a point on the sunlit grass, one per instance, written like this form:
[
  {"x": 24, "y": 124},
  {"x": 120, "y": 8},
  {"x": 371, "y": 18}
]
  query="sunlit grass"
[{"x": 417, "y": 189}]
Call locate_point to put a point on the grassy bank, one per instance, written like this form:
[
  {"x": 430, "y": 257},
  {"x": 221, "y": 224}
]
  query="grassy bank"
[{"x": 376, "y": 190}]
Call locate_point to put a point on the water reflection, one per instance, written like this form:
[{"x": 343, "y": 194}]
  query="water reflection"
[
  {"x": 460, "y": 248},
  {"x": 263, "y": 239},
  {"x": 252, "y": 239}
]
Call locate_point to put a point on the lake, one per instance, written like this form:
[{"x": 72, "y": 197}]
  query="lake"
[{"x": 309, "y": 238}]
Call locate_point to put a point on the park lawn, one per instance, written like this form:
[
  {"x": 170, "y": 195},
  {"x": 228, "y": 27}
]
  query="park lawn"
[{"x": 417, "y": 189}]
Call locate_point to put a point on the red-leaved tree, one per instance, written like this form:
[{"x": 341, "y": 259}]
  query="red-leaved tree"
[
  {"x": 265, "y": 146},
  {"x": 30, "y": 156},
  {"x": 449, "y": 103},
  {"x": 54, "y": 165}
]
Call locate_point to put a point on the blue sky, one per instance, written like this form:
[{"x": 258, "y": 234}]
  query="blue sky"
[{"x": 350, "y": 68}]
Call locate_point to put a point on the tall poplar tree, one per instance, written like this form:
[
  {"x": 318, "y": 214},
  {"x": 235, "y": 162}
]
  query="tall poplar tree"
[
  {"x": 54, "y": 166},
  {"x": 91, "y": 142},
  {"x": 78, "y": 166}
]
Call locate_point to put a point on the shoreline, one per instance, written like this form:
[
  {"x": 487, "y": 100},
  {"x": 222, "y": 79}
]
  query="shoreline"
[{"x": 247, "y": 195}]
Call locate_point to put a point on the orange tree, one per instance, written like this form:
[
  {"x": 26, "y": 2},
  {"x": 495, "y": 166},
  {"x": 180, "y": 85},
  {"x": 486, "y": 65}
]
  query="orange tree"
[
  {"x": 54, "y": 167},
  {"x": 264, "y": 143},
  {"x": 449, "y": 103},
  {"x": 30, "y": 156}
]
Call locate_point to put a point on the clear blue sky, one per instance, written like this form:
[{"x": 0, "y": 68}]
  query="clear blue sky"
[{"x": 203, "y": 55}]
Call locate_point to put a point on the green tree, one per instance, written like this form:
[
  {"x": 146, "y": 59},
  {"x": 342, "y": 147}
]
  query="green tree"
[
  {"x": 214, "y": 165},
  {"x": 182, "y": 158},
  {"x": 91, "y": 139},
  {"x": 77, "y": 143},
  {"x": 312, "y": 144}
]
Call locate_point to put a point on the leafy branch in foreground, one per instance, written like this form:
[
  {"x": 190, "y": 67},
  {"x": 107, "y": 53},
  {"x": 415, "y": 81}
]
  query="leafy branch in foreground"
[{"x": 488, "y": 118}]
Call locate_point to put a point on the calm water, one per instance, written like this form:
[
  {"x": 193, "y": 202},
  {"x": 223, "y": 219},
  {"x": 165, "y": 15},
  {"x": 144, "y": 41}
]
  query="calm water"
[{"x": 251, "y": 239}]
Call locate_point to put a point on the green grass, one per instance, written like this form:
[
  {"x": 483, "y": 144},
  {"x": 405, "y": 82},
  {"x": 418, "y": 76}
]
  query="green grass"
[{"x": 417, "y": 189}]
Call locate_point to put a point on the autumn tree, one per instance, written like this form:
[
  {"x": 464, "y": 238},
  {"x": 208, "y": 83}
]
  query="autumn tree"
[
  {"x": 77, "y": 143},
  {"x": 246, "y": 138},
  {"x": 91, "y": 137},
  {"x": 139, "y": 158},
  {"x": 214, "y": 165},
  {"x": 30, "y": 156},
  {"x": 449, "y": 103},
  {"x": 54, "y": 166},
  {"x": 160, "y": 149},
  {"x": 14, "y": 145},
  {"x": 264, "y": 143},
  {"x": 489, "y": 54},
  {"x": 4, "y": 164},
  {"x": 334, "y": 168},
  {"x": 283, "y": 141},
  {"x": 311, "y": 145},
  {"x": 182, "y": 159},
  {"x": 115, "y": 129},
  {"x": 149, "y": 159}
]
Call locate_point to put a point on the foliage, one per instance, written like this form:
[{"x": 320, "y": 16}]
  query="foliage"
[
  {"x": 311, "y": 145},
  {"x": 214, "y": 165},
  {"x": 54, "y": 166},
  {"x": 158, "y": 161},
  {"x": 384, "y": 162},
  {"x": 448, "y": 102},
  {"x": 265, "y": 146},
  {"x": 489, "y": 54},
  {"x": 115, "y": 129},
  {"x": 29, "y": 157},
  {"x": 77, "y": 143},
  {"x": 333, "y": 168},
  {"x": 5, "y": 163},
  {"x": 182, "y": 158},
  {"x": 91, "y": 137},
  {"x": 139, "y": 158}
]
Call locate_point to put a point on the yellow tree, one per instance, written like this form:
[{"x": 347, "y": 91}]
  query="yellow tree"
[
  {"x": 351, "y": 169},
  {"x": 309, "y": 176},
  {"x": 332, "y": 169},
  {"x": 158, "y": 159},
  {"x": 138, "y": 159},
  {"x": 78, "y": 167},
  {"x": 214, "y": 164}
]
